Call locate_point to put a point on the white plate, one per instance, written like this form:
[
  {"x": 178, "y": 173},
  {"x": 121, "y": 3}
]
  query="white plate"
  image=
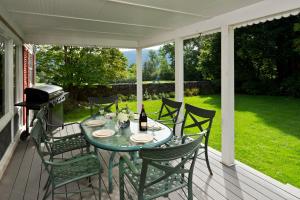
[
  {"x": 103, "y": 133},
  {"x": 95, "y": 122},
  {"x": 136, "y": 116},
  {"x": 153, "y": 126},
  {"x": 141, "y": 138}
]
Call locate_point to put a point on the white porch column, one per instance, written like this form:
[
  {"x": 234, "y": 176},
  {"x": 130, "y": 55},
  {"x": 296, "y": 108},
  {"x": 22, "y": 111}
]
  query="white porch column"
[
  {"x": 179, "y": 77},
  {"x": 139, "y": 79},
  {"x": 9, "y": 93},
  {"x": 227, "y": 94},
  {"x": 179, "y": 70},
  {"x": 19, "y": 75},
  {"x": 9, "y": 81},
  {"x": 19, "y": 72}
]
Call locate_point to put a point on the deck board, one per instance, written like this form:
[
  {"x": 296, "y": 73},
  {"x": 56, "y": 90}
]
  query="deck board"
[
  {"x": 25, "y": 178},
  {"x": 269, "y": 187}
]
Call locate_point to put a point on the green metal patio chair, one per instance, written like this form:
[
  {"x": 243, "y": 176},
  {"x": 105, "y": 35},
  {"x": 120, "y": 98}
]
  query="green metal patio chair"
[
  {"x": 202, "y": 120},
  {"x": 65, "y": 171},
  {"x": 160, "y": 170},
  {"x": 59, "y": 145},
  {"x": 105, "y": 102},
  {"x": 168, "y": 113}
]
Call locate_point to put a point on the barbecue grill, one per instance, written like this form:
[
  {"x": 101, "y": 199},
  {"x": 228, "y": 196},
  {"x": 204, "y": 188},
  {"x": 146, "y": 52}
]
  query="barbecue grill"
[{"x": 49, "y": 96}]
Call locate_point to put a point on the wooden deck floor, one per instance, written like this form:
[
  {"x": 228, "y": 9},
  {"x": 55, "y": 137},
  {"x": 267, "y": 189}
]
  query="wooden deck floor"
[{"x": 25, "y": 178}]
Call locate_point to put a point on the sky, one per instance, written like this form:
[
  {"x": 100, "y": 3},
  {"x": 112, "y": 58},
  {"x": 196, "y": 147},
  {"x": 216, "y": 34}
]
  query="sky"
[{"x": 153, "y": 48}]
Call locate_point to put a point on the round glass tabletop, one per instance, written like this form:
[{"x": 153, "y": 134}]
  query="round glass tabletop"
[{"x": 120, "y": 138}]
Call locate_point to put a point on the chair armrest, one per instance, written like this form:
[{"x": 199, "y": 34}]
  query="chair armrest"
[
  {"x": 54, "y": 125},
  {"x": 61, "y": 125},
  {"x": 67, "y": 136},
  {"x": 71, "y": 161},
  {"x": 150, "y": 113},
  {"x": 191, "y": 135},
  {"x": 153, "y": 114},
  {"x": 51, "y": 139},
  {"x": 169, "y": 122},
  {"x": 70, "y": 123},
  {"x": 126, "y": 160}
]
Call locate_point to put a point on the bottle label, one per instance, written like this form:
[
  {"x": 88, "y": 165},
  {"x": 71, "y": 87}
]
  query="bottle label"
[{"x": 143, "y": 124}]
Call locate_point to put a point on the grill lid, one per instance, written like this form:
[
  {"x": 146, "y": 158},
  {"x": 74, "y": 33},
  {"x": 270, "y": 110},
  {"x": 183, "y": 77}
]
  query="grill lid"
[{"x": 42, "y": 93}]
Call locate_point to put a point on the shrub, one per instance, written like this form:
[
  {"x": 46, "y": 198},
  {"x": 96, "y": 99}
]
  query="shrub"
[
  {"x": 163, "y": 95},
  {"x": 147, "y": 96},
  {"x": 191, "y": 92},
  {"x": 122, "y": 97},
  {"x": 291, "y": 86},
  {"x": 252, "y": 87},
  {"x": 70, "y": 105},
  {"x": 155, "y": 97},
  {"x": 171, "y": 94},
  {"x": 132, "y": 97}
]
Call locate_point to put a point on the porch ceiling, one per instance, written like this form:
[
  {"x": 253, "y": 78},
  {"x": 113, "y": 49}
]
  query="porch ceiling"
[{"x": 120, "y": 23}]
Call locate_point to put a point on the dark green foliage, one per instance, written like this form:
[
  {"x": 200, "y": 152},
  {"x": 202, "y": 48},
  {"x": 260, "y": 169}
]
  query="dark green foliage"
[
  {"x": 291, "y": 85},
  {"x": 267, "y": 58}
]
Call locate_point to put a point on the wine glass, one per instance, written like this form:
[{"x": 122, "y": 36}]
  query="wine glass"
[
  {"x": 101, "y": 110},
  {"x": 117, "y": 127}
]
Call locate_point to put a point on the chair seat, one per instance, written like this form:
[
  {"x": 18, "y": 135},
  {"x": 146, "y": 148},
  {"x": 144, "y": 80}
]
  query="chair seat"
[
  {"x": 68, "y": 144},
  {"x": 176, "y": 140},
  {"x": 171, "y": 183},
  {"x": 66, "y": 173}
]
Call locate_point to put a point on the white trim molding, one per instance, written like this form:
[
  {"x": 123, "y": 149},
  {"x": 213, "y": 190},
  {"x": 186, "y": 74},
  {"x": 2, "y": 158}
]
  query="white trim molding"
[
  {"x": 4, "y": 120},
  {"x": 268, "y": 18},
  {"x": 79, "y": 41},
  {"x": 9, "y": 153}
]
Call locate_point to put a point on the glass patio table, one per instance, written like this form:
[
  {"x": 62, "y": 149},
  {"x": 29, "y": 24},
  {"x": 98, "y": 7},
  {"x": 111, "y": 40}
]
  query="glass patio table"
[{"x": 120, "y": 141}]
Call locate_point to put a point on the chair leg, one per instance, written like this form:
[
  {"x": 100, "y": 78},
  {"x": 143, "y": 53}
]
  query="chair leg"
[
  {"x": 190, "y": 191},
  {"x": 52, "y": 193},
  {"x": 47, "y": 183},
  {"x": 46, "y": 192},
  {"x": 99, "y": 185},
  {"x": 207, "y": 161},
  {"x": 121, "y": 184},
  {"x": 110, "y": 171}
]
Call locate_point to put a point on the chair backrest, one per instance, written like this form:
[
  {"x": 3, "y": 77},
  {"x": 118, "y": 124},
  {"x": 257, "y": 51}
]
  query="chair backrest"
[
  {"x": 105, "y": 102},
  {"x": 179, "y": 156},
  {"x": 37, "y": 134},
  {"x": 201, "y": 119},
  {"x": 170, "y": 109}
]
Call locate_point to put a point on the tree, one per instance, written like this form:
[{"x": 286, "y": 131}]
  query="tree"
[
  {"x": 150, "y": 68},
  {"x": 73, "y": 67},
  {"x": 166, "y": 72},
  {"x": 191, "y": 55},
  {"x": 131, "y": 73},
  {"x": 209, "y": 59}
]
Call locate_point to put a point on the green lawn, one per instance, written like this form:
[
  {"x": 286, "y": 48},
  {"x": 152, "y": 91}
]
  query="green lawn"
[{"x": 267, "y": 131}]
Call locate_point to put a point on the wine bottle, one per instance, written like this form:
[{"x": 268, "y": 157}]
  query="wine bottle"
[{"x": 143, "y": 120}]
